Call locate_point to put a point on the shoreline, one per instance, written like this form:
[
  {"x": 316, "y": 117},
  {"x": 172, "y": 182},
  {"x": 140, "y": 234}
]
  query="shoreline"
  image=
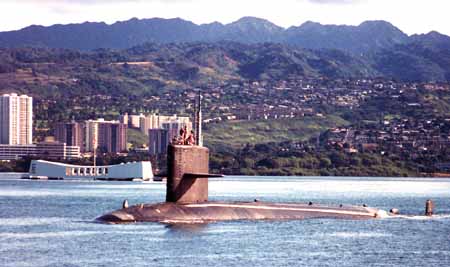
[
  {"x": 20, "y": 175},
  {"x": 12, "y": 175}
]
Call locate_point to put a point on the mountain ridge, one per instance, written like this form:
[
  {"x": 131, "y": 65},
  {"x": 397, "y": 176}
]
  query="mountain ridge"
[
  {"x": 197, "y": 63},
  {"x": 363, "y": 38}
]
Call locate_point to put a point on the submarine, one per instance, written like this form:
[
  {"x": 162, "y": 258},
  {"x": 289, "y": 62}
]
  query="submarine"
[
  {"x": 187, "y": 199},
  {"x": 187, "y": 195}
]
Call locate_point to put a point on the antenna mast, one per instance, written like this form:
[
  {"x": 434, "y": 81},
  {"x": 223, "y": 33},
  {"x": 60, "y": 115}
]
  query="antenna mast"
[
  {"x": 198, "y": 121},
  {"x": 95, "y": 150}
]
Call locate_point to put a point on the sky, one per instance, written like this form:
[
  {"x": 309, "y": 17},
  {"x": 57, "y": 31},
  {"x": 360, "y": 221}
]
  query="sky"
[{"x": 410, "y": 16}]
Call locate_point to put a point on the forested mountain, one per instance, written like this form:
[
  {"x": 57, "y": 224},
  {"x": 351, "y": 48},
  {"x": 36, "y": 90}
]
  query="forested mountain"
[
  {"x": 152, "y": 66},
  {"x": 424, "y": 58},
  {"x": 368, "y": 36}
]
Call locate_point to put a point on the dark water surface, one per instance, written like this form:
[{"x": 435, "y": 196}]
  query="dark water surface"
[{"x": 50, "y": 223}]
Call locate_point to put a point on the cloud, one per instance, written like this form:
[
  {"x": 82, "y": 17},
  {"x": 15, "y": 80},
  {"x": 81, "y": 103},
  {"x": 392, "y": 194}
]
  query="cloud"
[
  {"x": 99, "y": 2},
  {"x": 93, "y": 2},
  {"x": 336, "y": 2},
  {"x": 74, "y": 1}
]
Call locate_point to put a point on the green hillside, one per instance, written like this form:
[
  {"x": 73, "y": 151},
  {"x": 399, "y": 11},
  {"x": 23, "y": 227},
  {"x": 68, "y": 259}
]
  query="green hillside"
[
  {"x": 238, "y": 133},
  {"x": 136, "y": 138}
]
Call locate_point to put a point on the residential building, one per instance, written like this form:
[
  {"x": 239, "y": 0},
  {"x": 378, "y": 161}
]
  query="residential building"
[
  {"x": 124, "y": 119},
  {"x": 71, "y": 133},
  {"x": 91, "y": 135},
  {"x": 135, "y": 120},
  {"x": 107, "y": 136},
  {"x": 149, "y": 122},
  {"x": 154, "y": 121},
  {"x": 112, "y": 137},
  {"x": 173, "y": 128},
  {"x": 158, "y": 141},
  {"x": 16, "y": 119}
]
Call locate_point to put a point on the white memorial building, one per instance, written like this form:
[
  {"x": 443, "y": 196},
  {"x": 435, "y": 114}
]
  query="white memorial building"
[{"x": 41, "y": 169}]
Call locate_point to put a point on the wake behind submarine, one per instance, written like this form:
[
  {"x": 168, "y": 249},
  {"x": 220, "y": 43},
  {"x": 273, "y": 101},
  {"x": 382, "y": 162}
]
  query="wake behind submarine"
[{"x": 187, "y": 195}]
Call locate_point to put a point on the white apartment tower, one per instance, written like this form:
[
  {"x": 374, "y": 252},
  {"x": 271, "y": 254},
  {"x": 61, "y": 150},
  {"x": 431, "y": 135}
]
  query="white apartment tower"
[
  {"x": 154, "y": 121},
  {"x": 16, "y": 119}
]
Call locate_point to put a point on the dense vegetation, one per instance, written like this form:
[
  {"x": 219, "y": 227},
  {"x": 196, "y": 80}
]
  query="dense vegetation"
[
  {"x": 297, "y": 158},
  {"x": 377, "y": 47}
]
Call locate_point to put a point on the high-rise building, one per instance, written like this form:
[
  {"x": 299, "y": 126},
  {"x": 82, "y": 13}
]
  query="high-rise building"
[
  {"x": 134, "y": 120},
  {"x": 16, "y": 119},
  {"x": 107, "y": 136},
  {"x": 112, "y": 137},
  {"x": 124, "y": 118},
  {"x": 90, "y": 135},
  {"x": 173, "y": 128},
  {"x": 154, "y": 121},
  {"x": 149, "y": 122},
  {"x": 71, "y": 133},
  {"x": 158, "y": 141}
]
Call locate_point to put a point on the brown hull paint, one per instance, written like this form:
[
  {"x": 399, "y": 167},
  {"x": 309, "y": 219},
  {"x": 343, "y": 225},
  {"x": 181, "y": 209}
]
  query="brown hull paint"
[
  {"x": 222, "y": 211},
  {"x": 183, "y": 186}
]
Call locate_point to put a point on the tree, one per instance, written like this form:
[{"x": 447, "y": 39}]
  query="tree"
[{"x": 268, "y": 163}]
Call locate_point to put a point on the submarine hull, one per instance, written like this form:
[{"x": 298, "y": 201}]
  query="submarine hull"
[
  {"x": 187, "y": 199},
  {"x": 225, "y": 211}
]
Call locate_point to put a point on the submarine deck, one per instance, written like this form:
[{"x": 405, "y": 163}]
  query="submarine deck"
[{"x": 224, "y": 211}]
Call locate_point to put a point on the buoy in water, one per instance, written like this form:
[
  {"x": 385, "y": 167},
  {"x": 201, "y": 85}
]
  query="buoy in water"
[{"x": 429, "y": 205}]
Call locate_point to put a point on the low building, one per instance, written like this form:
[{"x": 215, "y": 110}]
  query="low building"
[
  {"x": 12, "y": 152},
  {"x": 45, "y": 150},
  {"x": 51, "y": 150},
  {"x": 73, "y": 152},
  {"x": 126, "y": 171}
]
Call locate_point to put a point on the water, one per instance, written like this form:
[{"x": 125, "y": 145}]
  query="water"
[{"x": 50, "y": 223}]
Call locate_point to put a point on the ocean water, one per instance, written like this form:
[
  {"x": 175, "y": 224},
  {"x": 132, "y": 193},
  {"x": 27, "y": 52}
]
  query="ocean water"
[{"x": 51, "y": 223}]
